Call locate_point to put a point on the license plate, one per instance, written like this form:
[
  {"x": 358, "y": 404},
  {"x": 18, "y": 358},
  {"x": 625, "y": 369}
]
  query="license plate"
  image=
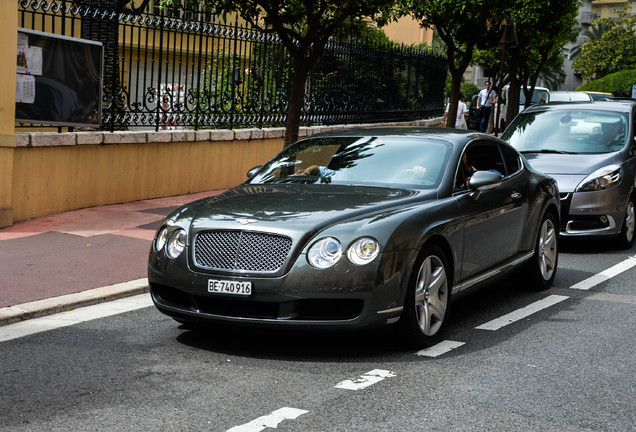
[{"x": 229, "y": 287}]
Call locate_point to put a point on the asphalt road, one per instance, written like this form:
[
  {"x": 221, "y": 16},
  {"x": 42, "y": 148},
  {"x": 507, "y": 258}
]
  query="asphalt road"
[{"x": 515, "y": 360}]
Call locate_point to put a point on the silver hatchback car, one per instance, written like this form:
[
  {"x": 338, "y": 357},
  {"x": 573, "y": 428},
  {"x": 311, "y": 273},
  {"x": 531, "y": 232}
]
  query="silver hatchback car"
[{"x": 589, "y": 148}]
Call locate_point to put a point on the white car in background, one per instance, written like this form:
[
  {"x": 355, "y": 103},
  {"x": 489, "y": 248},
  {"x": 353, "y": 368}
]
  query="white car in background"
[
  {"x": 564, "y": 96},
  {"x": 536, "y": 97}
]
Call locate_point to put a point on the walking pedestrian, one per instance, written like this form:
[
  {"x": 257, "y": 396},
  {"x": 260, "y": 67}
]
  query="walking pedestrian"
[
  {"x": 485, "y": 101},
  {"x": 462, "y": 112}
]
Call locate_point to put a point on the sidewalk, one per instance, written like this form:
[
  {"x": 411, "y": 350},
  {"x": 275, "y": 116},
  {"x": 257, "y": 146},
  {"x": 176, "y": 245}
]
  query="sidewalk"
[{"x": 68, "y": 260}]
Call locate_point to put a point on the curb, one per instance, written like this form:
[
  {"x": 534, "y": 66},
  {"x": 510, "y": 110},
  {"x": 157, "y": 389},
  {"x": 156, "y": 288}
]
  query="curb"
[{"x": 40, "y": 308}]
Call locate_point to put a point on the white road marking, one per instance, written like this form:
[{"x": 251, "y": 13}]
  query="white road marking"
[
  {"x": 439, "y": 348},
  {"x": 605, "y": 275},
  {"x": 269, "y": 421},
  {"x": 519, "y": 314},
  {"x": 75, "y": 316},
  {"x": 364, "y": 381}
]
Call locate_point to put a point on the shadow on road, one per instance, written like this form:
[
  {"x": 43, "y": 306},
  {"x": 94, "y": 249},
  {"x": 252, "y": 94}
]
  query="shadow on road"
[{"x": 295, "y": 345}]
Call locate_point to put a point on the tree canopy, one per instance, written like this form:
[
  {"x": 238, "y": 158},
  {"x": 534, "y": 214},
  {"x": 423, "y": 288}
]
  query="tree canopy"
[
  {"x": 304, "y": 27},
  {"x": 613, "y": 51},
  {"x": 462, "y": 25},
  {"x": 542, "y": 28}
]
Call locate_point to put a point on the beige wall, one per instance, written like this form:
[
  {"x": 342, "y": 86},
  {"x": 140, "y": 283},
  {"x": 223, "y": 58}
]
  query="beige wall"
[
  {"x": 9, "y": 37},
  {"x": 57, "y": 178},
  {"x": 408, "y": 31},
  {"x": 57, "y": 172},
  {"x": 609, "y": 8}
]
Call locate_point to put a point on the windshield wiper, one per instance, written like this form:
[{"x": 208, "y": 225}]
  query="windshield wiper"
[{"x": 551, "y": 151}]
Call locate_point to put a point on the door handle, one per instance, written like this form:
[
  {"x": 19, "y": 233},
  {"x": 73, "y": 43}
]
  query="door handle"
[{"x": 515, "y": 195}]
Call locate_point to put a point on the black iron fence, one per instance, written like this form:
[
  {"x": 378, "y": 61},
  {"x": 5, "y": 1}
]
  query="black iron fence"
[{"x": 197, "y": 70}]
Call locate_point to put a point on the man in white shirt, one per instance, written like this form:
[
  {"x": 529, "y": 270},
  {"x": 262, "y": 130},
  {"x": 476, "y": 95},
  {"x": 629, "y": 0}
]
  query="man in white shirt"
[{"x": 485, "y": 101}]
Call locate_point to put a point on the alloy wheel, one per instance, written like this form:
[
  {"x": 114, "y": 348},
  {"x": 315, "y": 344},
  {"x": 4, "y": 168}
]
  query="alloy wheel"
[
  {"x": 547, "y": 249},
  {"x": 431, "y": 295},
  {"x": 630, "y": 214}
]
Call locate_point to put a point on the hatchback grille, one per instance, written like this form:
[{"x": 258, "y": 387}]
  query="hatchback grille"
[{"x": 240, "y": 251}]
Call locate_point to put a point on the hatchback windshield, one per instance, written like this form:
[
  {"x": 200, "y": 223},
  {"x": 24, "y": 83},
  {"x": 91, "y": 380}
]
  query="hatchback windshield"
[
  {"x": 355, "y": 160},
  {"x": 568, "y": 131}
]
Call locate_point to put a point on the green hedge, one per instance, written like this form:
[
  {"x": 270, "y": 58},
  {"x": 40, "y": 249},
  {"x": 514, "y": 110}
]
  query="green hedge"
[
  {"x": 467, "y": 90},
  {"x": 618, "y": 84}
]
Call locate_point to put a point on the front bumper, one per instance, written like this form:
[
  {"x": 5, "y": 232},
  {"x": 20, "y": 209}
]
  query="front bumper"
[
  {"x": 593, "y": 214},
  {"x": 342, "y": 297}
]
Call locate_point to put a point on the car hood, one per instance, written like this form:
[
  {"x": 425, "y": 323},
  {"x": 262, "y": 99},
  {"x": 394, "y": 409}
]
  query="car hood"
[
  {"x": 567, "y": 169},
  {"x": 569, "y": 164},
  {"x": 289, "y": 209}
]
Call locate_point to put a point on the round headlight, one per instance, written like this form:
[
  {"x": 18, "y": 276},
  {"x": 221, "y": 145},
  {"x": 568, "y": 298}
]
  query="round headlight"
[
  {"x": 177, "y": 243},
  {"x": 324, "y": 253},
  {"x": 160, "y": 240},
  {"x": 363, "y": 250},
  {"x": 601, "y": 179}
]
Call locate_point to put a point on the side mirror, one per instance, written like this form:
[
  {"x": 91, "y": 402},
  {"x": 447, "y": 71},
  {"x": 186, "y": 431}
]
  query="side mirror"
[
  {"x": 252, "y": 172},
  {"x": 482, "y": 180}
]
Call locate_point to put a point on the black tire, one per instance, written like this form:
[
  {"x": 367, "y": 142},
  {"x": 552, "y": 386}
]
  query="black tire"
[
  {"x": 626, "y": 237},
  {"x": 542, "y": 268},
  {"x": 427, "y": 303}
]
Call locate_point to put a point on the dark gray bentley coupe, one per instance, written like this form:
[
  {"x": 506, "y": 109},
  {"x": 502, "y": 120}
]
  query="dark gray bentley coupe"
[{"x": 359, "y": 228}]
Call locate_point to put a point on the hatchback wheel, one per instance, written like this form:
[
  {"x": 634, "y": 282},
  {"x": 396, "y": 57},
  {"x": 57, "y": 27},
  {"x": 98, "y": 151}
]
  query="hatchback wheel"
[
  {"x": 626, "y": 237},
  {"x": 427, "y": 303},
  {"x": 542, "y": 268}
]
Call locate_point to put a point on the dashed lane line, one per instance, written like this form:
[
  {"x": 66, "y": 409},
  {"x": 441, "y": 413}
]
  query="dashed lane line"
[
  {"x": 606, "y": 274},
  {"x": 440, "y": 348},
  {"x": 271, "y": 420},
  {"x": 522, "y": 313},
  {"x": 365, "y": 380}
]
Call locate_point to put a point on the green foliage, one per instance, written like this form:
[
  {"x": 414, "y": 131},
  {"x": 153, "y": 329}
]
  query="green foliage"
[
  {"x": 613, "y": 51},
  {"x": 618, "y": 83},
  {"x": 468, "y": 90}
]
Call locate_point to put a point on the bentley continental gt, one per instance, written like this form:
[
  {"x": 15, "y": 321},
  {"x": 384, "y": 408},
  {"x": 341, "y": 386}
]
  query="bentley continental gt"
[{"x": 356, "y": 229}]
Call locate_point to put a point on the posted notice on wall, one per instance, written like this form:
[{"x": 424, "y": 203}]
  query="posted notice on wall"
[{"x": 29, "y": 65}]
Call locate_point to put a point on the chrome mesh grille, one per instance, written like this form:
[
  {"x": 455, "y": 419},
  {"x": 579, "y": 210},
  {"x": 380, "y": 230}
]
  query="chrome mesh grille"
[{"x": 240, "y": 250}]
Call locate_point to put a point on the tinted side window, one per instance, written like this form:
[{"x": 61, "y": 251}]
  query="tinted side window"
[
  {"x": 511, "y": 158},
  {"x": 479, "y": 156},
  {"x": 485, "y": 156}
]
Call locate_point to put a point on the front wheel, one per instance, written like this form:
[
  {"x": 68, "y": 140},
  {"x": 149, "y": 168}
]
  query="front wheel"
[
  {"x": 427, "y": 303},
  {"x": 543, "y": 265},
  {"x": 626, "y": 237}
]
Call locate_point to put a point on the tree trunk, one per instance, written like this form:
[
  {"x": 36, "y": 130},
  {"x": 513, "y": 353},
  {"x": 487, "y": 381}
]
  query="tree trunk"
[
  {"x": 512, "y": 99},
  {"x": 454, "y": 98},
  {"x": 296, "y": 100}
]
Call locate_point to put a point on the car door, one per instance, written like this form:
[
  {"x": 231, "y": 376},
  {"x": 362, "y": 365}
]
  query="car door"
[{"x": 493, "y": 219}]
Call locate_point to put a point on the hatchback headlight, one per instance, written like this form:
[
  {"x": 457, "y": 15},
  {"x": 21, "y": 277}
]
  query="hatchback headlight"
[
  {"x": 324, "y": 253},
  {"x": 601, "y": 179},
  {"x": 363, "y": 250},
  {"x": 176, "y": 243}
]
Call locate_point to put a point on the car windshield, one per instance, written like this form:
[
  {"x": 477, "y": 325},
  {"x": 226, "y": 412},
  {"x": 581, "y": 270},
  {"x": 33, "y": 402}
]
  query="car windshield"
[
  {"x": 568, "y": 131},
  {"x": 354, "y": 160}
]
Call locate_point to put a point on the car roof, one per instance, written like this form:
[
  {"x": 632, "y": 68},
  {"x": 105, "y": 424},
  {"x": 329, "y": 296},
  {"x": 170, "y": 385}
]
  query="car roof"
[
  {"x": 570, "y": 95},
  {"x": 455, "y": 136},
  {"x": 610, "y": 105}
]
